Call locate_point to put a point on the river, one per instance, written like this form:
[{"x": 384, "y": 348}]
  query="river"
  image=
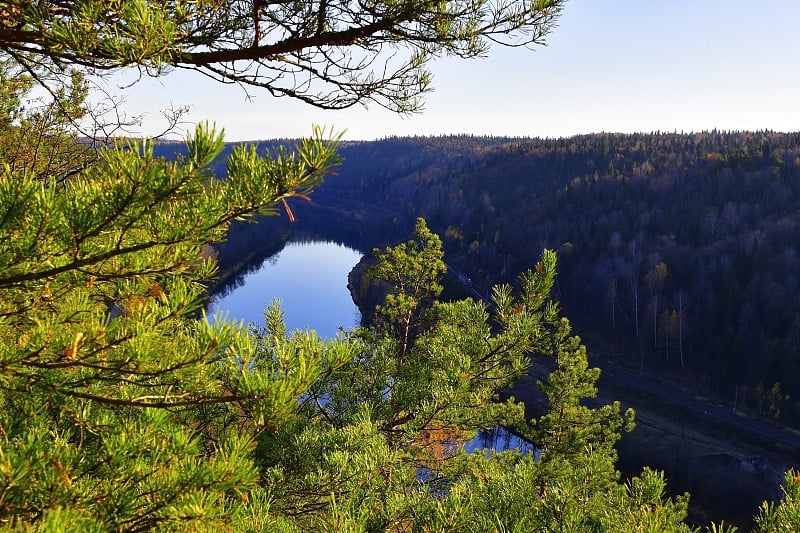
[{"x": 310, "y": 280}]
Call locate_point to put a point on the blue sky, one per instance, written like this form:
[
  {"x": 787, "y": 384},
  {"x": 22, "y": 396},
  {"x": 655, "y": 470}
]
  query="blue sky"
[{"x": 610, "y": 65}]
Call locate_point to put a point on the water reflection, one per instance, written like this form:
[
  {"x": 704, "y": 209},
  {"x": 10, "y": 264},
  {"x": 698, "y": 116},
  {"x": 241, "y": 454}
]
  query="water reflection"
[
  {"x": 310, "y": 279},
  {"x": 499, "y": 439}
]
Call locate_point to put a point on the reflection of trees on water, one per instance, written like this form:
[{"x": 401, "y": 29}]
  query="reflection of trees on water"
[
  {"x": 305, "y": 238},
  {"x": 249, "y": 245},
  {"x": 499, "y": 439},
  {"x": 328, "y": 219},
  {"x": 246, "y": 248}
]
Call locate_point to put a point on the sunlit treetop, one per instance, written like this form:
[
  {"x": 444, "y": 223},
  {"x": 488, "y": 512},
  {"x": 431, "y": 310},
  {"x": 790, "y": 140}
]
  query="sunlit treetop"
[{"x": 328, "y": 53}]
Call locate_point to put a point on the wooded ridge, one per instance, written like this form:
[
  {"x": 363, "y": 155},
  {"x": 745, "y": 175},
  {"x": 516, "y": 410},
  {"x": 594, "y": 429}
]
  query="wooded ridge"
[{"x": 679, "y": 252}]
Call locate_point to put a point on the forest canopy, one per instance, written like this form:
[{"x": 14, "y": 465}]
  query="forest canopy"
[{"x": 677, "y": 251}]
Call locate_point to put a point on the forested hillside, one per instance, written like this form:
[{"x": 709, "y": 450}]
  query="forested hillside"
[{"x": 677, "y": 251}]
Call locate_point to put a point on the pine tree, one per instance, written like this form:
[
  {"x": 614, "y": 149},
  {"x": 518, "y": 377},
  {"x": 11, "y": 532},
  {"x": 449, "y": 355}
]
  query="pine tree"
[
  {"x": 108, "y": 377},
  {"x": 785, "y": 517},
  {"x": 378, "y": 443},
  {"x": 329, "y": 53}
]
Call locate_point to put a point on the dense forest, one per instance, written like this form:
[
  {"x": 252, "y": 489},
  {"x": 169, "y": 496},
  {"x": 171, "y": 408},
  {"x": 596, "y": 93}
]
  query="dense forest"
[{"x": 677, "y": 252}]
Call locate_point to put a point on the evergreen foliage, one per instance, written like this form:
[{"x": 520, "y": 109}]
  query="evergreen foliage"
[
  {"x": 344, "y": 52},
  {"x": 785, "y": 517},
  {"x": 378, "y": 443},
  {"x": 124, "y": 408},
  {"x": 109, "y": 380}
]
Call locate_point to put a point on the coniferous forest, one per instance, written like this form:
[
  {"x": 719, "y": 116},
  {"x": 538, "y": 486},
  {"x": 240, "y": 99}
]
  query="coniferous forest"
[
  {"x": 677, "y": 252},
  {"x": 126, "y": 408}
]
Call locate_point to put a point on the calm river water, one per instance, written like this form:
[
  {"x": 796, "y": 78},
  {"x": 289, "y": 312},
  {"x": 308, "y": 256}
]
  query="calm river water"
[{"x": 310, "y": 279}]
